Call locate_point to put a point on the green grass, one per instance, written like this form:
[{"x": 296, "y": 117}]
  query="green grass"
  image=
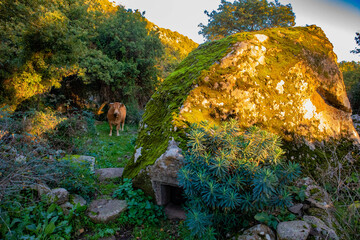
[{"x": 110, "y": 152}]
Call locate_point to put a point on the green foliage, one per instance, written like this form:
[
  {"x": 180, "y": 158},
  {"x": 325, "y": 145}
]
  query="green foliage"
[
  {"x": 246, "y": 15},
  {"x": 227, "y": 175},
  {"x": 273, "y": 220},
  {"x": 67, "y": 133},
  {"x": 351, "y": 74},
  {"x": 176, "y": 47},
  {"x": 340, "y": 178},
  {"x": 109, "y": 151},
  {"x": 39, "y": 221},
  {"x": 27, "y": 159},
  {"x": 78, "y": 179},
  {"x": 141, "y": 209},
  {"x": 52, "y": 44}
]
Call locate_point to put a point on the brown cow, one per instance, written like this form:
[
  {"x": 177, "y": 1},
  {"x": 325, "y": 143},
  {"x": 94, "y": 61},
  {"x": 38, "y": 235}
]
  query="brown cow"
[{"x": 116, "y": 116}]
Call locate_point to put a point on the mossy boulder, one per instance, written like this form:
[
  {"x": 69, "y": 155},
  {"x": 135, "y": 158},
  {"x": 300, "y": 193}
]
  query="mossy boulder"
[{"x": 285, "y": 80}]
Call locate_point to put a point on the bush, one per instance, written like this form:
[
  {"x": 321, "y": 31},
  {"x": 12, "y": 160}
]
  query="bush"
[
  {"x": 227, "y": 175},
  {"x": 68, "y": 132},
  {"x": 25, "y": 160}
]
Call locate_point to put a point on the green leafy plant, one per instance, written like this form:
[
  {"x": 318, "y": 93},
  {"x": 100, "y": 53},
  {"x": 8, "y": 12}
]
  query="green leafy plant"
[
  {"x": 227, "y": 174},
  {"x": 272, "y": 220},
  {"x": 39, "y": 221},
  {"x": 77, "y": 178},
  {"x": 141, "y": 209}
]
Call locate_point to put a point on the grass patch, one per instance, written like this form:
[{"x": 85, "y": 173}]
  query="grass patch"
[{"x": 110, "y": 152}]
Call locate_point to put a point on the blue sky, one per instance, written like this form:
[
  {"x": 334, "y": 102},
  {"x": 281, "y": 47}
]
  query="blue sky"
[{"x": 339, "y": 19}]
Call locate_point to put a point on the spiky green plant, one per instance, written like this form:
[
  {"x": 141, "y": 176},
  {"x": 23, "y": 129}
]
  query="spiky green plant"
[{"x": 228, "y": 174}]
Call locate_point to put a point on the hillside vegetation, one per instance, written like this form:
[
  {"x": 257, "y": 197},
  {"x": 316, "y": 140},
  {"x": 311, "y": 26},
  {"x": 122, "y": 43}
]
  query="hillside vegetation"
[
  {"x": 63, "y": 61},
  {"x": 351, "y": 73},
  {"x": 82, "y": 53}
]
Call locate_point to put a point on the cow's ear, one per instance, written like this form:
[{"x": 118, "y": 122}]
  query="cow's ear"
[{"x": 111, "y": 104}]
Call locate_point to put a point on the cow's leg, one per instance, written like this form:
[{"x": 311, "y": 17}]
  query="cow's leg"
[
  {"x": 110, "y": 134},
  {"x": 122, "y": 126},
  {"x": 117, "y": 129}
]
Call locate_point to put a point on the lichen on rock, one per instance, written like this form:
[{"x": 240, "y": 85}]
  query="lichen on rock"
[{"x": 285, "y": 80}]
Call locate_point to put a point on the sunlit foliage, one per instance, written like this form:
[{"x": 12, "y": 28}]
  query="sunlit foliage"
[
  {"x": 44, "y": 44},
  {"x": 351, "y": 73}
]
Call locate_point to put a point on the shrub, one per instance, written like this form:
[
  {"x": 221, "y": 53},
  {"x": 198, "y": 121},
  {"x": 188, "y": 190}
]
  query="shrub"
[
  {"x": 67, "y": 134},
  {"x": 24, "y": 162},
  {"x": 40, "y": 122},
  {"x": 227, "y": 174}
]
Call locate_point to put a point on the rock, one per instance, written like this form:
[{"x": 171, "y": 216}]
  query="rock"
[
  {"x": 108, "y": 238},
  {"x": 165, "y": 171},
  {"x": 254, "y": 78},
  {"x": 258, "y": 232},
  {"x": 173, "y": 211},
  {"x": 109, "y": 173},
  {"x": 58, "y": 196},
  {"x": 319, "y": 229},
  {"x": 77, "y": 199},
  {"x": 66, "y": 207},
  {"x": 41, "y": 188},
  {"x": 296, "y": 209},
  {"x": 293, "y": 230},
  {"x": 315, "y": 195},
  {"x": 319, "y": 201},
  {"x": 73, "y": 200},
  {"x": 106, "y": 210}
]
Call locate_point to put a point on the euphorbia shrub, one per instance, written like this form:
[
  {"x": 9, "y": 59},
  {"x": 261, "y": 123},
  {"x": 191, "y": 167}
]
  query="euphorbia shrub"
[{"x": 228, "y": 175}]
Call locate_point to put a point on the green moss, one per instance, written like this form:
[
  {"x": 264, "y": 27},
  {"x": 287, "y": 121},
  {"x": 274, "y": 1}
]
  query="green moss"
[
  {"x": 143, "y": 181},
  {"x": 164, "y": 106},
  {"x": 314, "y": 191},
  {"x": 319, "y": 213}
]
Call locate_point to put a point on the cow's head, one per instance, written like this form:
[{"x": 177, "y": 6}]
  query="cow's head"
[{"x": 116, "y": 106}]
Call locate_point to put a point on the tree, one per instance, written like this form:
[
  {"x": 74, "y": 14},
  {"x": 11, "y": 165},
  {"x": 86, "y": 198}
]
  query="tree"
[
  {"x": 351, "y": 73},
  {"x": 48, "y": 44},
  {"x": 357, "y": 40},
  {"x": 246, "y": 15},
  {"x": 126, "y": 41}
]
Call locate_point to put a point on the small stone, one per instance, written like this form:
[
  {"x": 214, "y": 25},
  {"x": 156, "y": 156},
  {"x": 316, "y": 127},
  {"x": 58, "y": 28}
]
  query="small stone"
[
  {"x": 173, "y": 211},
  {"x": 293, "y": 230},
  {"x": 258, "y": 232},
  {"x": 77, "y": 199},
  {"x": 109, "y": 173},
  {"x": 296, "y": 209},
  {"x": 108, "y": 238},
  {"x": 58, "y": 196},
  {"x": 104, "y": 210},
  {"x": 66, "y": 207}
]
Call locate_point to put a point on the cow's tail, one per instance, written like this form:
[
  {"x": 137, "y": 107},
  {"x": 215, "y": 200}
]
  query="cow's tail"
[{"x": 99, "y": 111}]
